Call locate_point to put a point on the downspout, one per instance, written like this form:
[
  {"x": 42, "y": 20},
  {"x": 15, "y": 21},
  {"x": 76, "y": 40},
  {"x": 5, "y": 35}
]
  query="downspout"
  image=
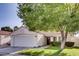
[{"x": 36, "y": 37}]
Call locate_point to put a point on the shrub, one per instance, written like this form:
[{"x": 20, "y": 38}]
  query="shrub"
[
  {"x": 55, "y": 43},
  {"x": 69, "y": 44},
  {"x": 8, "y": 43}
]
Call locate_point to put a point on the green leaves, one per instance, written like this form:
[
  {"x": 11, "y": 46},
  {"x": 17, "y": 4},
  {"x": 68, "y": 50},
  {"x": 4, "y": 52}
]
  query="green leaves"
[{"x": 49, "y": 17}]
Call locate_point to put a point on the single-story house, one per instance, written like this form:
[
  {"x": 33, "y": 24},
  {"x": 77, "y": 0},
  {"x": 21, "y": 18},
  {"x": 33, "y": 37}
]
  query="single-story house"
[
  {"x": 56, "y": 36},
  {"x": 4, "y": 37},
  {"x": 25, "y": 38}
]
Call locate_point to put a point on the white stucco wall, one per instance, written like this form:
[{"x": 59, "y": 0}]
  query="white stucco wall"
[
  {"x": 41, "y": 41},
  {"x": 76, "y": 41},
  {"x": 4, "y": 39}
]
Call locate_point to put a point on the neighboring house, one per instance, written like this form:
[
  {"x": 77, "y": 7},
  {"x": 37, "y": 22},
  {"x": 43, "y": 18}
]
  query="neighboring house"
[
  {"x": 25, "y": 38},
  {"x": 4, "y": 37}
]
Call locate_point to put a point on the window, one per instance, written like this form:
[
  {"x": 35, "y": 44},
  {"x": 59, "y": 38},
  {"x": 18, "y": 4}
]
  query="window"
[{"x": 54, "y": 39}]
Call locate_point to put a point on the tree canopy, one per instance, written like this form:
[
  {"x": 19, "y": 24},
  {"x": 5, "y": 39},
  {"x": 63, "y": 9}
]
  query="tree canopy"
[
  {"x": 7, "y": 28},
  {"x": 49, "y": 16}
]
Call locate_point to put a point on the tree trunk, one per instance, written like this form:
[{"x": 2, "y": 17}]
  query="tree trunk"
[
  {"x": 63, "y": 43},
  {"x": 64, "y": 37}
]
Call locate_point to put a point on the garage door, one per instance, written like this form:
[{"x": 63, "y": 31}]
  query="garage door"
[{"x": 24, "y": 41}]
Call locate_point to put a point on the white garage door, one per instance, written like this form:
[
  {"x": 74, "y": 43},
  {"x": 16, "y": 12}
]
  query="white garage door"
[{"x": 24, "y": 41}]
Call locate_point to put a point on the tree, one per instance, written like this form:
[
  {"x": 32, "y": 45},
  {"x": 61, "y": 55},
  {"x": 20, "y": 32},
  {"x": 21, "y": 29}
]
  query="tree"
[
  {"x": 50, "y": 17},
  {"x": 16, "y": 28},
  {"x": 6, "y": 28}
]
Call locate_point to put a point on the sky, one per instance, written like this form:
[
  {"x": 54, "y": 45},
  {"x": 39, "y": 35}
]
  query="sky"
[{"x": 8, "y": 15}]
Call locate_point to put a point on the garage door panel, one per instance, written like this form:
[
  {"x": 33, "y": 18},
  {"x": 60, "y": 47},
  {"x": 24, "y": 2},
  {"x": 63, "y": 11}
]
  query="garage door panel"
[{"x": 23, "y": 41}]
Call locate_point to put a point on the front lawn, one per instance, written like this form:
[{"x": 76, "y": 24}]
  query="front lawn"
[
  {"x": 51, "y": 51},
  {"x": 70, "y": 52}
]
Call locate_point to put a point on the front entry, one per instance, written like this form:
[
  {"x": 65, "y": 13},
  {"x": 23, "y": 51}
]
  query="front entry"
[{"x": 48, "y": 40}]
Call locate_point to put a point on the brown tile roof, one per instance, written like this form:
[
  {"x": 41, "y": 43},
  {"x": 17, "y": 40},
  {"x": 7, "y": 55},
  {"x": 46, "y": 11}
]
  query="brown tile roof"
[
  {"x": 55, "y": 34},
  {"x": 5, "y": 33},
  {"x": 51, "y": 33}
]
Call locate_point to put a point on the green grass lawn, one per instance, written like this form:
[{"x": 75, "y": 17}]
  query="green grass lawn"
[
  {"x": 70, "y": 52},
  {"x": 51, "y": 51}
]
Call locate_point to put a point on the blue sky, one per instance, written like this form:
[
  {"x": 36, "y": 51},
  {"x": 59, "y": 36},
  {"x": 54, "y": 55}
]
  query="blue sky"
[{"x": 8, "y": 15}]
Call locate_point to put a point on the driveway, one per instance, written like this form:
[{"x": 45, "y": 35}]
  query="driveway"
[
  {"x": 12, "y": 51},
  {"x": 9, "y": 50}
]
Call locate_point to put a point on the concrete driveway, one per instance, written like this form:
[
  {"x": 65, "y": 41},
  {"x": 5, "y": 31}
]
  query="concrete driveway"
[
  {"x": 12, "y": 51},
  {"x": 9, "y": 50}
]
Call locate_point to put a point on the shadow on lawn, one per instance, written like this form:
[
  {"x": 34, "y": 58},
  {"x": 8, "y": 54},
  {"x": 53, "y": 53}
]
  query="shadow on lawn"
[
  {"x": 54, "y": 48},
  {"x": 58, "y": 53}
]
